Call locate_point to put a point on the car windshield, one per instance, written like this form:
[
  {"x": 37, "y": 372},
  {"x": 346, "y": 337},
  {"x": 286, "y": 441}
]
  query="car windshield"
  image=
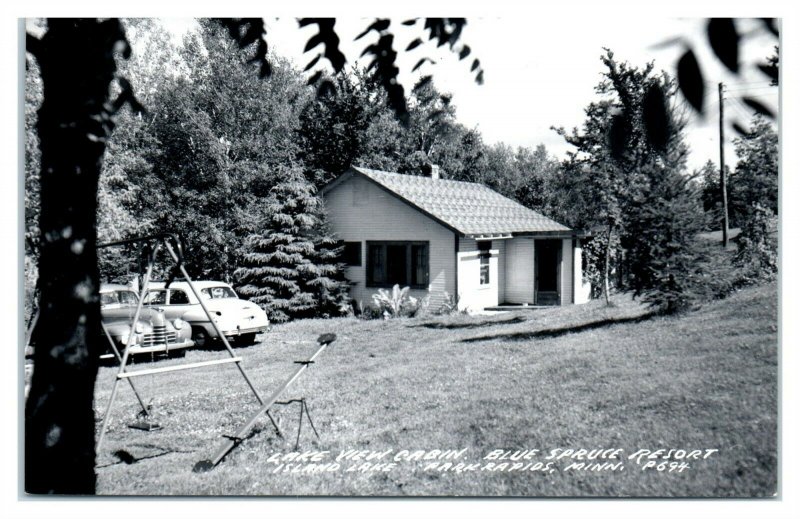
[
  {"x": 118, "y": 298},
  {"x": 156, "y": 297},
  {"x": 220, "y": 292}
]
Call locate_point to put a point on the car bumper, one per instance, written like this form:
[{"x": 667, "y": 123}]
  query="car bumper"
[
  {"x": 158, "y": 348},
  {"x": 243, "y": 331}
]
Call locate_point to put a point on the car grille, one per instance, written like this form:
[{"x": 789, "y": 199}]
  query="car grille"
[{"x": 160, "y": 335}]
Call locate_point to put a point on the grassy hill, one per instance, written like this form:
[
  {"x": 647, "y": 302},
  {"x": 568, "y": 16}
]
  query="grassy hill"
[{"x": 563, "y": 378}]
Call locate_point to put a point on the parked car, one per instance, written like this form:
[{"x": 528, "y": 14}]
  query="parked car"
[
  {"x": 154, "y": 332},
  {"x": 238, "y": 319}
]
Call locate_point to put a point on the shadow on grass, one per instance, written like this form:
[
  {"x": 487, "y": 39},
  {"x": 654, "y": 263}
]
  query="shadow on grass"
[
  {"x": 468, "y": 325},
  {"x": 558, "y": 332}
]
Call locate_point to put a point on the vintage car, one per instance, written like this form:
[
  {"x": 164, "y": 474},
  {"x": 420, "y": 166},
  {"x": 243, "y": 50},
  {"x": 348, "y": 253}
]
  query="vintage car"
[
  {"x": 238, "y": 319},
  {"x": 153, "y": 333}
]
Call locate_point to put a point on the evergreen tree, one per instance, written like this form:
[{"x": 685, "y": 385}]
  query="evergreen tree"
[
  {"x": 287, "y": 267},
  {"x": 664, "y": 258},
  {"x": 324, "y": 276},
  {"x": 757, "y": 189}
]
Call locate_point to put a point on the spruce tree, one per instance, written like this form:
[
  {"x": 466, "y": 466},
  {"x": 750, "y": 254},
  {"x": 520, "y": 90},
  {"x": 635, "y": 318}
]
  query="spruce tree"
[
  {"x": 324, "y": 276},
  {"x": 287, "y": 269},
  {"x": 662, "y": 253},
  {"x": 757, "y": 188}
]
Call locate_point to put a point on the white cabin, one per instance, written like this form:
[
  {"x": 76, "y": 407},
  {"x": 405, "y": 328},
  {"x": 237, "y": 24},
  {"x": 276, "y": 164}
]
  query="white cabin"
[{"x": 444, "y": 236}]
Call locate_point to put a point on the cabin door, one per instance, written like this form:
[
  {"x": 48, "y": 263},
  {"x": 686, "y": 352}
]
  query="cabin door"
[{"x": 547, "y": 270}]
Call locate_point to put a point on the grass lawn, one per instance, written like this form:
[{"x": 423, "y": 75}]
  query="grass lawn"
[{"x": 563, "y": 378}]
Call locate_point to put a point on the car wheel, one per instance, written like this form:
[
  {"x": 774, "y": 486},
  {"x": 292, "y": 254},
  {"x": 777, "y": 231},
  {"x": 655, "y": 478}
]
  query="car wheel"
[
  {"x": 200, "y": 337},
  {"x": 246, "y": 339}
]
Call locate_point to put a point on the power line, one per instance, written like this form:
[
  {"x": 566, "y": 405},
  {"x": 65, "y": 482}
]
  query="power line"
[
  {"x": 762, "y": 82},
  {"x": 751, "y": 89},
  {"x": 741, "y": 109},
  {"x": 764, "y": 95}
]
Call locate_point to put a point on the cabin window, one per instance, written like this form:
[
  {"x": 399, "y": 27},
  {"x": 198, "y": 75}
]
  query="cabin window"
[
  {"x": 485, "y": 247},
  {"x": 397, "y": 263},
  {"x": 351, "y": 254}
]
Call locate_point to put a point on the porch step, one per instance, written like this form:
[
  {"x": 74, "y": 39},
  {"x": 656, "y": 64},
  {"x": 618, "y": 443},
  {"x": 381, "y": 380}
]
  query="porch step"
[
  {"x": 547, "y": 298},
  {"x": 511, "y": 307}
]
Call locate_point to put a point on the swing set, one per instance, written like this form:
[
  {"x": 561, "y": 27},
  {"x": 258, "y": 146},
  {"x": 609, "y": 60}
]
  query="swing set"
[{"x": 150, "y": 246}]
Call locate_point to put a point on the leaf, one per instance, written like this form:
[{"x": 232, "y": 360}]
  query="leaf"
[
  {"x": 412, "y": 21},
  {"x": 724, "y": 42},
  {"x": 465, "y": 50},
  {"x": 475, "y": 64},
  {"x": 741, "y": 130},
  {"x": 424, "y": 80},
  {"x": 618, "y": 135},
  {"x": 326, "y": 88},
  {"x": 313, "y": 42},
  {"x": 420, "y": 63},
  {"x": 379, "y": 25},
  {"x": 690, "y": 80},
  {"x": 769, "y": 23},
  {"x": 655, "y": 117},
  {"x": 770, "y": 70},
  {"x": 313, "y": 79},
  {"x": 33, "y": 45},
  {"x": 479, "y": 78},
  {"x": 327, "y": 36},
  {"x": 414, "y": 44},
  {"x": 254, "y": 32},
  {"x": 312, "y": 63},
  {"x": 759, "y": 107}
]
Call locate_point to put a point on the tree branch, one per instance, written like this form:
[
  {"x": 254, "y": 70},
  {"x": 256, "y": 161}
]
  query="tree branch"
[{"x": 33, "y": 45}]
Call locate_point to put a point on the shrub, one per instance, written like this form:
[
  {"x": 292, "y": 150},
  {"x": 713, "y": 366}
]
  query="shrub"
[
  {"x": 450, "y": 305},
  {"x": 757, "y": 254},
  {"x": 398, "y": 303},
  {"x": 665, "y": 263}
]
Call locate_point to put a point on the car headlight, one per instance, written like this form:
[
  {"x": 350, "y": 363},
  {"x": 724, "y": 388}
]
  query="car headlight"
[
  {"x": 139, "y": 328},
  {"x": 178, "y": 323},
  {"x": 123, "y": 339}
]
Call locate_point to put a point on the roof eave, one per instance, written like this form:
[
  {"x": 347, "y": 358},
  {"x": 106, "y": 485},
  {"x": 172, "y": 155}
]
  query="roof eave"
[{"x": 566, "y": 233}]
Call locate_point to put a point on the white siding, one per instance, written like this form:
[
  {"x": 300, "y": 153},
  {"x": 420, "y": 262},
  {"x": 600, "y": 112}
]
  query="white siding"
[
  {"x": 566, "y": 271},
  {"x": 583, "y": 290},
  {"x": 472, "y": 295},
  {"x": 519, "y": 271},
  {"x": 358, "y": 210},
  {"x": 500, "y": 246},
  {"x": 467, "y": 245}
]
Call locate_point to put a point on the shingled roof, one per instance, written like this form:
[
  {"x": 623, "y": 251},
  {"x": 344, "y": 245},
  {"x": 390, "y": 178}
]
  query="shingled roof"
[{"x": 468, "y": 208}]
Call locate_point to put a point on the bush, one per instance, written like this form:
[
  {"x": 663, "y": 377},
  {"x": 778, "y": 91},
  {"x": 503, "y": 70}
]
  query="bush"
[
  {"x": 757, "y": 255},
  {"x": 665, "y": 261},
  {"x": 450, "y": 305},
  {"x": 398, "y": 303}
]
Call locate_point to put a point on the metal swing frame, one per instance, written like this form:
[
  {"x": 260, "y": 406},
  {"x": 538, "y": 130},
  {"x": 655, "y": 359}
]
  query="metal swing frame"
[{"x": 172, "y": 244}]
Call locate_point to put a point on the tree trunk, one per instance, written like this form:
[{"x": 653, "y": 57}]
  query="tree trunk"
[
  {"x": 77, "y": 66},
  {"x": 607, "y": 267}
]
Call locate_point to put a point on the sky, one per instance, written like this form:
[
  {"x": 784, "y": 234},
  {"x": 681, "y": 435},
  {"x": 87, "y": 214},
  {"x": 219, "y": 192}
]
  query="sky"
[{"x": 541, "y": 73}]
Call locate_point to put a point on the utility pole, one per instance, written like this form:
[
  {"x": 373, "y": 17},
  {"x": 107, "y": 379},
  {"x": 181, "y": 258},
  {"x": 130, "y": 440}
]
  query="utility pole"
[{"x": 723, "y": 184}]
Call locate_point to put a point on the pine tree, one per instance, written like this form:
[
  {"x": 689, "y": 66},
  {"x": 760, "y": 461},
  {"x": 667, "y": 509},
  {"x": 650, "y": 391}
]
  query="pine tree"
[
  {"x": 757, "y": 188},
  {"x": 324, "y": 276},
  {"x": 661, "y": 247},
  {"x": 287, "y": 268}
]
